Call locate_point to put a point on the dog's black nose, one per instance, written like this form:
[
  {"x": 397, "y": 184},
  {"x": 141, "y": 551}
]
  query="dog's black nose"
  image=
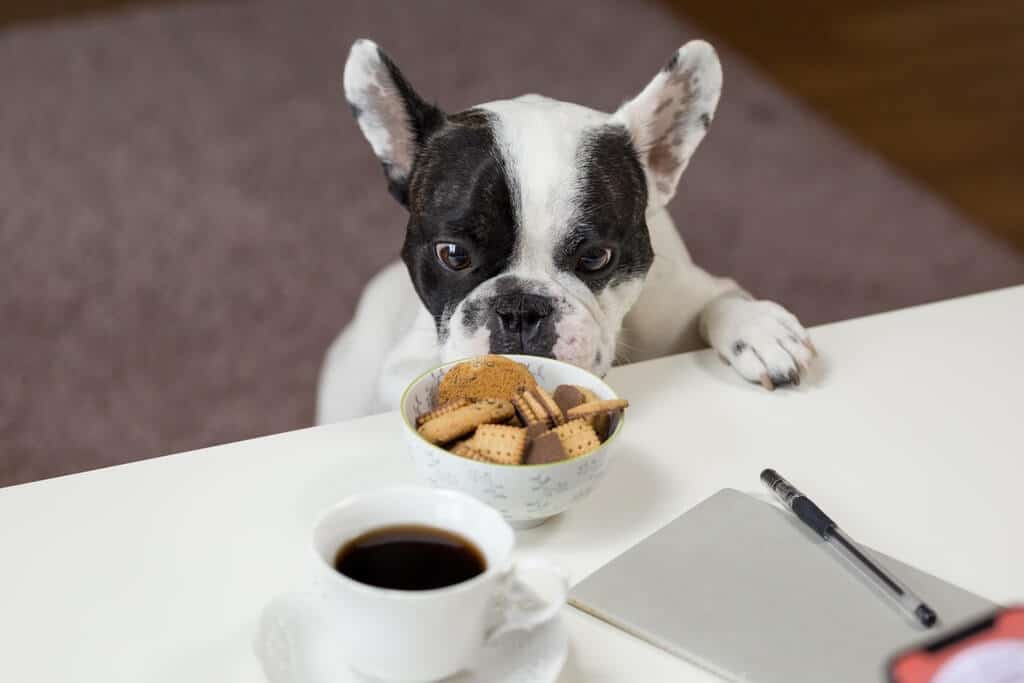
[
  {"x": 522, "y": 314},
  {"x": 523, "y": 324}
]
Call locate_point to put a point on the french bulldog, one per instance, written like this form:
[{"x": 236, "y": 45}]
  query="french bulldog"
[{"x": 539, "y": 227}]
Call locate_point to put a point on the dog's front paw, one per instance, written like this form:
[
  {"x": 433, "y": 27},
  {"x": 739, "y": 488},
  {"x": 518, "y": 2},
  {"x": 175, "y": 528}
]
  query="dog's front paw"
[{"x": 761, "y": 340}]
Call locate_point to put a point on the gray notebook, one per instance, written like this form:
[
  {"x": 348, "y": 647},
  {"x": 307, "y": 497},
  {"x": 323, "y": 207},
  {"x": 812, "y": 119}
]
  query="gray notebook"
[{"x": 741, "y": 588}]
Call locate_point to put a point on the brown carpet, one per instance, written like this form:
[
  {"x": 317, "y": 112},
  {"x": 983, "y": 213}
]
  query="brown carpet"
[{"x": 187, "y": 211}]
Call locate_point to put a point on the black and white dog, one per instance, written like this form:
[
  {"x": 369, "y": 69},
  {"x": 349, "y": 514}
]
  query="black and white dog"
[{"x": 539, "y": 227}]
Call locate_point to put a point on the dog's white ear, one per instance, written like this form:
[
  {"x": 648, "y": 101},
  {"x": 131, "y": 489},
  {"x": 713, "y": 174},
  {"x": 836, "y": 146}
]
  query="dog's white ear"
[
  {"x": 395, "y": 120},
  {"x": 669, "y": 118}
]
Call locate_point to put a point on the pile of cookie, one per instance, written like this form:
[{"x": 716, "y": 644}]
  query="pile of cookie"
[{"x": 491, "y": 409}]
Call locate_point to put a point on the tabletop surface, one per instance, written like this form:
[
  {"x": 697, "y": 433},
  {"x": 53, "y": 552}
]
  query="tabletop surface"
[{"x": 908, "y": 433}]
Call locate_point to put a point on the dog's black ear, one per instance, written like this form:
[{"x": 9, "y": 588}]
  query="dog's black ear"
[
  {"x": 669, "y": 118},
  {"x": 395, "y": 120}
]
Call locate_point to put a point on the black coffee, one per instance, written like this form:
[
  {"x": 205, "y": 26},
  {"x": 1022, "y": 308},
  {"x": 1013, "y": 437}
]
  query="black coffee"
[{"x": 411, "y": 558}]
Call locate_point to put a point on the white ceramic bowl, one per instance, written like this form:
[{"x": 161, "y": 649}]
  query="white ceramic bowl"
[{"x": 526, "y": 495}]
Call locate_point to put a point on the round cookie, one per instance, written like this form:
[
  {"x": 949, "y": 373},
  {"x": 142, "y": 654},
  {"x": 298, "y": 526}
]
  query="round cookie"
[{"x": 485, "y": 377}]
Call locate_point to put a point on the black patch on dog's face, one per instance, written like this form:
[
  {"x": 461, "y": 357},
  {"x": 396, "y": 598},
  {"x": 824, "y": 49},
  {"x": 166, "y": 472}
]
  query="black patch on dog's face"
[
  {"x": 459, "y": 192},
  {"x": 611, "y": 200}
]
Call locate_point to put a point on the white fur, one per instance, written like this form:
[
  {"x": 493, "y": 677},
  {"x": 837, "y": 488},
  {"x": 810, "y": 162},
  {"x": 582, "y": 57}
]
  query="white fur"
[
  {"x": 386, "y": 345},
  {"x": 368, "y": 86},
  {"x": 679, "y": 307},
  {"x": 539, "y": 138},
  {"x": 665, "y": 118}
]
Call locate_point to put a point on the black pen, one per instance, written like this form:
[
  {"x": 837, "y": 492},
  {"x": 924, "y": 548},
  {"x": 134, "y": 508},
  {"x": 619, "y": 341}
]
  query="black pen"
[{"x": 811, "y": 515}]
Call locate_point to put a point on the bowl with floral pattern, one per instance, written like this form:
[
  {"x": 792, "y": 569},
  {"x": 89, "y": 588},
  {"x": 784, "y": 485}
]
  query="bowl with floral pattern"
[{"x": 526, "y": 495}]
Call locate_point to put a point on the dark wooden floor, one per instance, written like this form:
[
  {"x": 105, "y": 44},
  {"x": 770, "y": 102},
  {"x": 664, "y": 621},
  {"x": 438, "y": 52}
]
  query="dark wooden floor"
[
  {"x": 20, "y": 11},
  {"x": 935, "y": 86}
]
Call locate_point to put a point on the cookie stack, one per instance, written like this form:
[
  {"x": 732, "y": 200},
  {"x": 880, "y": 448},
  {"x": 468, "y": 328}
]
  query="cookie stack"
[{"x": 492, "y": 409}]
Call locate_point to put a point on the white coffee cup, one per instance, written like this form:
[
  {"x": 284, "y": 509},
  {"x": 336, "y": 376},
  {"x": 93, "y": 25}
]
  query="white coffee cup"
[{"x": 417, "y": 636}]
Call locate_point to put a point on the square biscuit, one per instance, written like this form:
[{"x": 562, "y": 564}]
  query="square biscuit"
[
  {"x": 464, "y": 420},
  {"x": 502, "y": 444},
  {"x": 578, "y": 437}
]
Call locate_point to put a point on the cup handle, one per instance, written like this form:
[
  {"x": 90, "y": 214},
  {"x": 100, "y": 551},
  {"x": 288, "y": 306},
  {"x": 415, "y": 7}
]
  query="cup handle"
[{"x": 532, "y": 593}]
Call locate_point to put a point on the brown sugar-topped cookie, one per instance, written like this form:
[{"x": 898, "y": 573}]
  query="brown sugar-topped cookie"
[{"x": 485, "y": 377}]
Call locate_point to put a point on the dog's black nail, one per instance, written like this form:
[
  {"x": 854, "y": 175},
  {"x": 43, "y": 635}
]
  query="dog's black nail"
[
  {"x": 739, "y": 347},
  {"x": 794, "y": 377}
]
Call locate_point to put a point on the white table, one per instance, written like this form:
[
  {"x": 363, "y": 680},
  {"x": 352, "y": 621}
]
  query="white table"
[{"x": 155, "y": 571}]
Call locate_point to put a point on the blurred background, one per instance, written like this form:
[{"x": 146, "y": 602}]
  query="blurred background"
[{"x": 188, "y": 212}]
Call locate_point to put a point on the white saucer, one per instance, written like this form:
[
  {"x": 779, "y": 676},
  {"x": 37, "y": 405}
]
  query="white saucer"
[{"x": 293, "y": 643}]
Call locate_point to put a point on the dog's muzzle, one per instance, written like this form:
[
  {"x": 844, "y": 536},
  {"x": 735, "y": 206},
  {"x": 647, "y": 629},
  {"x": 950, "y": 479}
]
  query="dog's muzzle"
[{"x": 522, "y": 323}]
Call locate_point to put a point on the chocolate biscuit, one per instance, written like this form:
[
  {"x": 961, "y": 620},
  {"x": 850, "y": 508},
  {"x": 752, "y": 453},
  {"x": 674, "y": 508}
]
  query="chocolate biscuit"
[{"x": 545, "y": 449}]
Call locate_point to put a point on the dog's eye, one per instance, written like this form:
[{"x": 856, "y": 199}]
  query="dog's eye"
[
  {"x": 594, "y": 259},
  {"x": 452, "y": 256}
]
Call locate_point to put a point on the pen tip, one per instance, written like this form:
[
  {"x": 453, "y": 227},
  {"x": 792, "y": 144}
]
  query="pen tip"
[{"x": 926, "y": 615}]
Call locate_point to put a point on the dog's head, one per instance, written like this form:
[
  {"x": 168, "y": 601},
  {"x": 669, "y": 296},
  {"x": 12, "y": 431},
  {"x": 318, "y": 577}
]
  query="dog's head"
[{"x": 527, "y": 217}]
